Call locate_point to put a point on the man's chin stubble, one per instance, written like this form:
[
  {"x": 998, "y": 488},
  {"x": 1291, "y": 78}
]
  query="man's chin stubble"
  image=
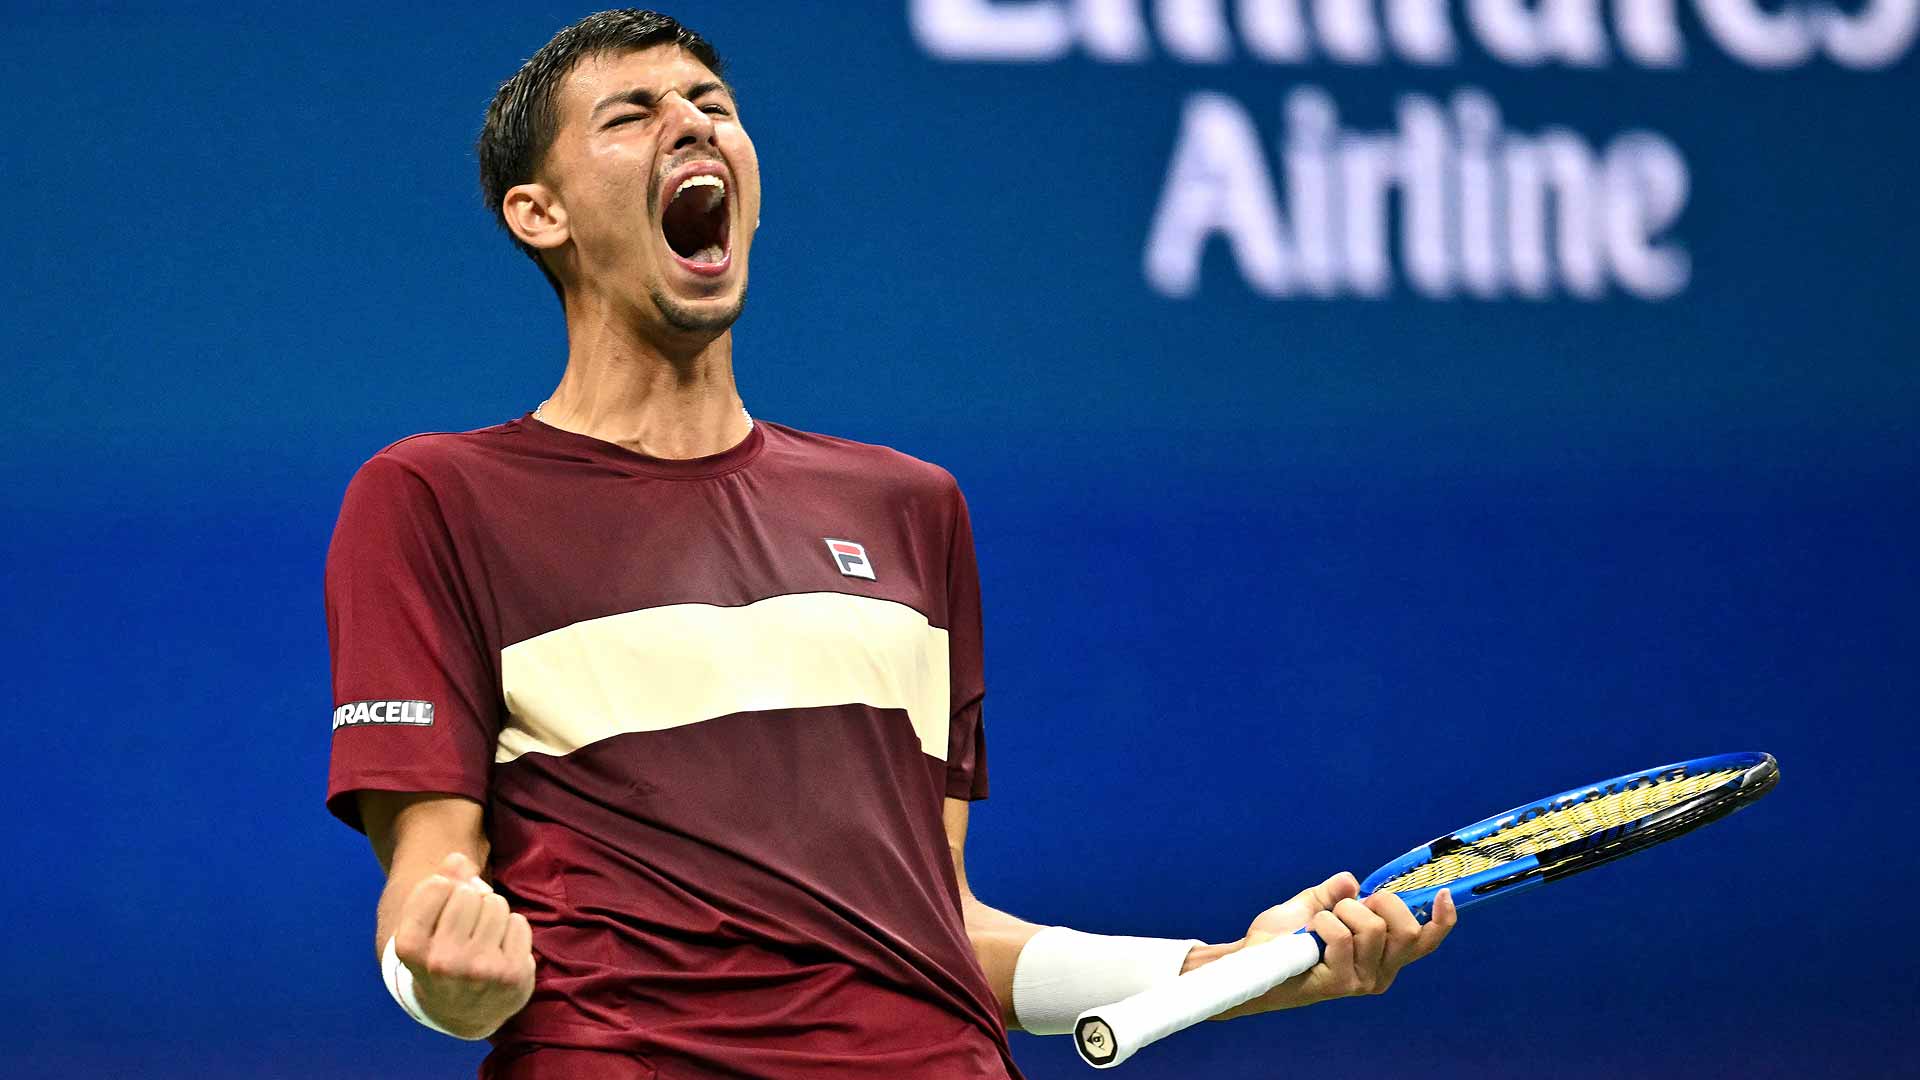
[{"x": 696, "y": 320}]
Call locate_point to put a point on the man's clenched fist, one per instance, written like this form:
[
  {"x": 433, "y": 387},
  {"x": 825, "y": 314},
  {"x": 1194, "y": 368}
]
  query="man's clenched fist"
[{"x": 471, "y": 958}]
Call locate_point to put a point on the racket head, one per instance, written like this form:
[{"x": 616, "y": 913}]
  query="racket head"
[{"x": 1578, "y": 829}]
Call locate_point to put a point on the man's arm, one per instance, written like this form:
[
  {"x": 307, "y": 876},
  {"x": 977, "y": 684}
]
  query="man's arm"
[
  {"x": 997, "y": 936},
  {"x": 471, "y": 958},
  {"x": 1368, "y": 941}
]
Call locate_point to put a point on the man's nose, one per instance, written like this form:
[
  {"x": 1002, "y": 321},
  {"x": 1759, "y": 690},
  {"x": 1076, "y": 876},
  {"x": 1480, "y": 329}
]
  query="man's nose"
[{"x": 691, "y": 126}]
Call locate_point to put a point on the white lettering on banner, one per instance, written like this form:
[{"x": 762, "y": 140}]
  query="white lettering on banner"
[
  {"x": 1646, "y": 186},
  {"x": 1218, "y": 184},
  {"x": 1523, "y": 33},
  {"x": 985, "y": 30},
  {"x": 1347, "y": 31},
  {"x": 1763, "y": 39},
  {"x": 1195, "y": 30},
  {"x": 1113, "y": 29},
  {"x": 1875, "y": 37},
  {"x": 1448, "y": 202},
  {"x": 1311, "y": 126},
  {"x": 1423, "y": 166},
  {"x": 1274, "y": 30},
  {"x": 1489, "y": 212},
  {"x": 1649, "y": 32},
  {"x": 1878, "y": 36},
  {"x": 1527, "y": 35},
  {"x": 1420, "y": 31}
]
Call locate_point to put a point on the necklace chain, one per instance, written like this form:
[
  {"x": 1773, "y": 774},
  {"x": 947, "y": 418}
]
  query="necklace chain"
[{"x": 743, "y": 412}]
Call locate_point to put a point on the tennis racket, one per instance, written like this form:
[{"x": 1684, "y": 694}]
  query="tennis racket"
[{"x": 1529, "y": 845}]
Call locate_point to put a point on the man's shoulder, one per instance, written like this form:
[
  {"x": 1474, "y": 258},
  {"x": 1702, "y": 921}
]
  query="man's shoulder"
[
  {"x": 431, "y": 466},
  {"x": 429, "y": 452},
  {"x": 870, "y": 461}
]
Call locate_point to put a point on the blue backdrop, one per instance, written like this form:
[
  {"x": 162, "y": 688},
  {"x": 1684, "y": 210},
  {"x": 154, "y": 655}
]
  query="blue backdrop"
[{"x": 1338, "y": 478}]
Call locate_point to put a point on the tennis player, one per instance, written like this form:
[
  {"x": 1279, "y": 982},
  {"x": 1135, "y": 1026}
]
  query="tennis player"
[{"x": 664, "y": 721}]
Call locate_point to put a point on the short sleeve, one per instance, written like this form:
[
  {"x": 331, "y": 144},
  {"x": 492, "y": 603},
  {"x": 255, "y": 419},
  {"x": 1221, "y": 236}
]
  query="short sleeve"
[
  {"x": 415, "y": 704},
  {"x": 966, "y": 734}
]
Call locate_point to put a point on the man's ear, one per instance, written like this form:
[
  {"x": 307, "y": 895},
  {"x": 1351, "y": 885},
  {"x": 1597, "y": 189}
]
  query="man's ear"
[{"x": 535, "y": 216}]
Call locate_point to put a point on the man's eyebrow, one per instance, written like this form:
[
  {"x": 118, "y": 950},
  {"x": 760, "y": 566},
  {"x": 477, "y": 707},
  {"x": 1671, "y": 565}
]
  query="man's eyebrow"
[{"x": 647, "y": 99}]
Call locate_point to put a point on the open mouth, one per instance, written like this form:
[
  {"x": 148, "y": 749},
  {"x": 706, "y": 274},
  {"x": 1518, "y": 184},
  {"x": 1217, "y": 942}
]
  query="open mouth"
[{"x": 695, "y": 223}]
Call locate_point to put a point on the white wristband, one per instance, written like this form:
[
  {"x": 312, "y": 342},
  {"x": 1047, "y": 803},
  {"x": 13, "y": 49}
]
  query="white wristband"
[
  {"x": 399, "y": 980},
  {"x": 1062, "y": 973}
]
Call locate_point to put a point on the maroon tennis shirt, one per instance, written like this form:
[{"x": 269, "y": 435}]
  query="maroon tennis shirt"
[{"x": 712, "y": 708}]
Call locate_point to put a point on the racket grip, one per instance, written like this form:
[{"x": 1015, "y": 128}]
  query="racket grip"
[{"x": 1110, "y": 1034}]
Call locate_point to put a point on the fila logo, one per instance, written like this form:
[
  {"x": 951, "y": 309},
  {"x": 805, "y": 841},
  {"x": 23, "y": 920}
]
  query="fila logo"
[
  {"x": 419, "y": 713},
  {"x": 850, "y": 557}
]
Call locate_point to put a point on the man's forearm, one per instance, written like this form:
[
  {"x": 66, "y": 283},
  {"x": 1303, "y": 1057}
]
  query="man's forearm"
[
  {"x": 997, "y": 940},
  {"x": 411, "y": 835},
  {"x": 1047, "y": 975},
  {"x": 1066, "y": 969}
]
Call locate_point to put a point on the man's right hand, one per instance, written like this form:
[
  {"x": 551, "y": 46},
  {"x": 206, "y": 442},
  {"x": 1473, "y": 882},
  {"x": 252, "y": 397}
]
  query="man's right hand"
[{"x": 471, "y": 958}]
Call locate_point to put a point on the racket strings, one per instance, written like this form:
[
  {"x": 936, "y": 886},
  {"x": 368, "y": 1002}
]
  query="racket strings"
[{"x": 1557, "y": 827}]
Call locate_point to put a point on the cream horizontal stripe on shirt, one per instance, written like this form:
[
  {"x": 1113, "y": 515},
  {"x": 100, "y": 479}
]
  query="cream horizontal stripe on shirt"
[{"x": 666, "y": 667}]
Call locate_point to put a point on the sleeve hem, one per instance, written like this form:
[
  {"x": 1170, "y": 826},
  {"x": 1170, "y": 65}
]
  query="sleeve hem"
[
  {"x": 963, "y": 786},
  {"x": 343, "y": 793}
]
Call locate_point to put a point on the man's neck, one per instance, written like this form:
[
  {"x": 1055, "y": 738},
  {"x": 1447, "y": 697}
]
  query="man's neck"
[{"x": 623, "y": 389}]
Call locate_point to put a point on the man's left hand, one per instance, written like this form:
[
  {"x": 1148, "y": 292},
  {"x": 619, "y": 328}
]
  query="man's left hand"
[{"x": 1367, "y": 943}]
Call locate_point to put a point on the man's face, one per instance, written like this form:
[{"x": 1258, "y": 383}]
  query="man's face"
[{"x": 660, "y": 185}]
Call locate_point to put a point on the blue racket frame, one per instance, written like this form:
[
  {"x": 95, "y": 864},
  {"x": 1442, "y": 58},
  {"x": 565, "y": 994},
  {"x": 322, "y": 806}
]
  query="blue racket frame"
[{"x": 1758, "y": 772}]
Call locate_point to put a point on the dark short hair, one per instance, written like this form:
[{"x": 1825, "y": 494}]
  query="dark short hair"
[{"x": 524, "y": 117}]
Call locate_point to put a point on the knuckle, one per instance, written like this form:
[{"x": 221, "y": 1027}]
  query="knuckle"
[
  {"x": 409, "y": 943},
  {"x": 445, "y": 963},
  {"x": 428, "y": 886}
]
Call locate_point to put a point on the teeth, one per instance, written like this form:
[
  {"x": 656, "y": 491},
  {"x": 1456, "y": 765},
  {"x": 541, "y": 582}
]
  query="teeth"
[{"x": 700, "y": 181}]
